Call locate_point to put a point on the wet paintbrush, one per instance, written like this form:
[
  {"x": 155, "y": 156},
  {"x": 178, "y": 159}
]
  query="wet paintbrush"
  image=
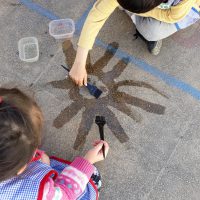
[
  {"x": 93, "y": 90},
  {"x": 100, "y": 121}
]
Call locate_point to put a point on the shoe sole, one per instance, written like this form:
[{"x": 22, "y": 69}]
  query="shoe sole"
[{"x": 156, "y": 50}]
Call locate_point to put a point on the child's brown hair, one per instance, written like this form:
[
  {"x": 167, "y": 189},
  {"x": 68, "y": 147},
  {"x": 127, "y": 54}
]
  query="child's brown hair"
[
  {"x": 21, "y": 123},
  {"x": 139, "y": 6}
]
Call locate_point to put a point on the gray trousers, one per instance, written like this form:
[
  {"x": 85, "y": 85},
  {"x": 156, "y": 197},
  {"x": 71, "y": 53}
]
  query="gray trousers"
[{"x": 152, "y": 29}]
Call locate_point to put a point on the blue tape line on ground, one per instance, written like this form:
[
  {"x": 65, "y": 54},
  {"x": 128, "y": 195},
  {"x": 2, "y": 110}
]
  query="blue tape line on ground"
[
  {"x": 46, "y": 13},
  {"x": 39, "y": 9},
  {"x": 120, "y": 54}
]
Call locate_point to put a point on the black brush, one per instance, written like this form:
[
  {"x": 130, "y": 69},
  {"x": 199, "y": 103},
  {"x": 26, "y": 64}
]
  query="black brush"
[
  {"x": 93, "y": 90},
  {"x": 100, "y": 121}
]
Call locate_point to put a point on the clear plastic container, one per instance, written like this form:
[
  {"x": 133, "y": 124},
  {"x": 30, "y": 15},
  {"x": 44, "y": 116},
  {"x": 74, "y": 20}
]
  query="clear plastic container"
[
  {"x": 28, "y": 49},
  {"x": 62, "y": 28}
]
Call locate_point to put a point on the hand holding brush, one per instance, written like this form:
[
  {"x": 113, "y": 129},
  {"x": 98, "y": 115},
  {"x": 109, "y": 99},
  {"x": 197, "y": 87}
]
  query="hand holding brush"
[
  {"x": 95, "y": 154},
  {"x": 93, "y": 90}
]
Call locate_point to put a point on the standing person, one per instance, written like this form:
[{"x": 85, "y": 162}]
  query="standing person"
[
  {"x": 154, "y": 19},
  {"x": 28, "y": 173}
]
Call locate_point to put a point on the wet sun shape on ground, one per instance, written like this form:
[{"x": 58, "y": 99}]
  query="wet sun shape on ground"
[{"x": 113, "y": 97}]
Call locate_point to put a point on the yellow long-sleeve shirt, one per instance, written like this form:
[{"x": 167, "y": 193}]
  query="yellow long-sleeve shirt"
[{"x": 102, "y": 9}]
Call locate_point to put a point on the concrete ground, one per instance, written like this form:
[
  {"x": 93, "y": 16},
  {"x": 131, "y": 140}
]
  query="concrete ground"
[{"x": 151, "y": 104}]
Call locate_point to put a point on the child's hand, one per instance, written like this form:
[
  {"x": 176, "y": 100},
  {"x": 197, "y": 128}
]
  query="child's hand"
[
  {"x": 45, "y": 159},
  {"x": 78, "y": 74},
  {"x": 96, "y": 154}
]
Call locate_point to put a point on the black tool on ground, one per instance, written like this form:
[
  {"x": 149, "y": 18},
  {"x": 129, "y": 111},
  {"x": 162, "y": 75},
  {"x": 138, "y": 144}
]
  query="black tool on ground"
[
  {"x": 100, "y": 121},
  {"x": 93, "y": 90}
]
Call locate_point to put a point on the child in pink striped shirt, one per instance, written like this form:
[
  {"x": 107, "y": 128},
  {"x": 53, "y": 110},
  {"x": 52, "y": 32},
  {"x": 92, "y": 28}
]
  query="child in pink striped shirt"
[{"x": 28, "y": 173}]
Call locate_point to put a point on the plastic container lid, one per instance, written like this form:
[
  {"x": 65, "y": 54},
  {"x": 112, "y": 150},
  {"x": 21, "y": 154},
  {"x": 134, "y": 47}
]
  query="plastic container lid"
[
  {"x": 62, "y": 28},
  {"x": 28, "y": 49}
]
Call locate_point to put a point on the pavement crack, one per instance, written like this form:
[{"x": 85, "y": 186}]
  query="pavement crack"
[{"x": 160, "y": 174}]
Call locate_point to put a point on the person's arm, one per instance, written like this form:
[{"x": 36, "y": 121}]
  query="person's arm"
[
  {"x": 172, "y": 15},
  {"x": 98, "y": 15},
  {"x": 71, "y": 183},
  {"x": 100, "y": 12}
]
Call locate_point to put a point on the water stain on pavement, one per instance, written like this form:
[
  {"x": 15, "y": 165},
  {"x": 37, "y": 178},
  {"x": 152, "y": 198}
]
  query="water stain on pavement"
[{"x": 112, "y": 97}]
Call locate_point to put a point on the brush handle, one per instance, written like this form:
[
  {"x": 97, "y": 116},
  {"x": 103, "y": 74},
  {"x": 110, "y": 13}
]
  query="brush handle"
[
  {"x": 65, "y": 68},
  {"x": 103, "y": 149},
  {"x": 101, "y": 131}
]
